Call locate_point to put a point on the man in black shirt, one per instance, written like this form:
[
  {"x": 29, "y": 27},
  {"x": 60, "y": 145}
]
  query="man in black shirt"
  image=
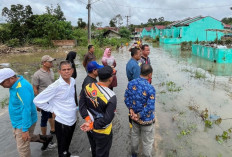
[{"x": 92, "y": 69}]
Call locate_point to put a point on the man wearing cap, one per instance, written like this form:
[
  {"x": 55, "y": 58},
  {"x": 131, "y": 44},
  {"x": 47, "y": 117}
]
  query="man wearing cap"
[
  {"x": 41, "y": 80},
  {"x": 59, "y": 98},
  {"x": 92, "y": 69},
  {"x": 98, "y": 112},
  {"x": 22, "y": 111},
  {"x": 89, "y": 56},
  {"x": 140, "y": 100}
]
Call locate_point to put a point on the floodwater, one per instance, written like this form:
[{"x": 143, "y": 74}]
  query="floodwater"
[{"x": 179, "y": 132}]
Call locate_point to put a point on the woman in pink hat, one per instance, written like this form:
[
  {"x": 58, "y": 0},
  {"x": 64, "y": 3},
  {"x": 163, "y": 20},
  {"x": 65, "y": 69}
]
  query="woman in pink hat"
[{"x": 109, "y": 60}]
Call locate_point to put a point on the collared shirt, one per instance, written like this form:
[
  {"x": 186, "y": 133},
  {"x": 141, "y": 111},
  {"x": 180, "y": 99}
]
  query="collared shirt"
[
  {"x": 42, "y": 79},
  {"x": 144, "y": 60},
  {"x": 88, "y": 58},
  {"x": 59, "y": 98},
  {"x": 22, "y": 110},
  {"x": 140, "y": 97},
  {"x": 132, "y": 69}
]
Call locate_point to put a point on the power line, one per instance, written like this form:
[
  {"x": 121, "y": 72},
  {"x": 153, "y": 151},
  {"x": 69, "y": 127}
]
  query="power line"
[
  {"x": 95, "y": 1},
  {"x": 82, "y": 2},
  {"x": 176, "y": 8}
]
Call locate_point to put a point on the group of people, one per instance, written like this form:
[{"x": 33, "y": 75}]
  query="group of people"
[{"x": 57, "y": 101}]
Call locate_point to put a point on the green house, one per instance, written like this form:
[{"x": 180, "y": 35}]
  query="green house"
[
  {"x": 158, "y": 31},
  {"x": 192, "y": 29},
  {"x": 147, "y": 32}
]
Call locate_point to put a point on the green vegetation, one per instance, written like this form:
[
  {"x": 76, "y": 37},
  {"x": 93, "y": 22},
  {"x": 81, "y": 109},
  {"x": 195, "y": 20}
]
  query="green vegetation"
[
  {"x": 186, "y": 45},
  {"x": 171, "y": 87},
  {"x": 227, "y": 20},
  {"x": 24, "y": 28},
  {"x": 224, "y": 136},
  {"x": 199, "y": 75},
  {"x": 4, "y": 102}
]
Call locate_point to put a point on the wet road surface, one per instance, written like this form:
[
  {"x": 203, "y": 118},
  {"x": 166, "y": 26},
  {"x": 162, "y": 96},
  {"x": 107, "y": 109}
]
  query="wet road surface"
[{"x": 179, "y": 131}]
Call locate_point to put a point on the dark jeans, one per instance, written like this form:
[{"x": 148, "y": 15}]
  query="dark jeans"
[
  {"x": 100, "y": 144},
  {"x": 64, "y": 135},
  {"x": 44, "y": 118}
]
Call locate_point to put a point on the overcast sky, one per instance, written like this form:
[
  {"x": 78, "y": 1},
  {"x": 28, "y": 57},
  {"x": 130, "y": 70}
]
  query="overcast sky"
[{"x": 139, "y": 10}]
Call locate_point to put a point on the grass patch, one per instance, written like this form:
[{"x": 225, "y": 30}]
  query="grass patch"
[
  {"x": 171, "y": 87},
  {"x": 199, "y": 75},
  {"x": 4, "y": 102}
]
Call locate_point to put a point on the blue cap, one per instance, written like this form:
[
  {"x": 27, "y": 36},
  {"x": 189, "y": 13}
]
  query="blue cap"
[{"x": 93, "y": 65}]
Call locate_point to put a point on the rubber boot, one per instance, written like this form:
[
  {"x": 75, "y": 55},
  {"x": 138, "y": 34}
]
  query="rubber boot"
[{"x": 46, "y": 140}]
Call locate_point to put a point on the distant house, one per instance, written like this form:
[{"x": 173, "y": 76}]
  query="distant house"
[
  {"x": 137, "y": 33},
  {"x": 147, "y": 32},
  {"x": 227, "y": 26},
  {"x": 192, "y": 29},
  {"x": 108, "y": 28},
  {"x": 111, "y": 34},
  {"x": 158, "y": 30}
]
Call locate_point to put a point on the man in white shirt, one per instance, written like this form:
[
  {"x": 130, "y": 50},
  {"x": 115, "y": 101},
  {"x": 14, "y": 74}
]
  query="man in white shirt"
[{"x": 58, "y": 98}]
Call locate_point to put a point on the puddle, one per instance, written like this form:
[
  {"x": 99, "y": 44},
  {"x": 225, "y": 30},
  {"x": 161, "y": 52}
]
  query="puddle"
[{"x": 180, "y": 132}]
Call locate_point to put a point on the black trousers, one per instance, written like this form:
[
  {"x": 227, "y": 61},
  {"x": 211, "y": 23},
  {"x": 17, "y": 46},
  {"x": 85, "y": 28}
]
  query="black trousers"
[
  {"x": 64, "y": 135},
  {"x": 100, "y": 144}
]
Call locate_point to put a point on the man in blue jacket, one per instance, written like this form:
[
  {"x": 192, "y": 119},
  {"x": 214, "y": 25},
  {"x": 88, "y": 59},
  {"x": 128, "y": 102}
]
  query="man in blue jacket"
[
  {"x": 22, "y": 111},
  {"x": 140, "y": 100}
]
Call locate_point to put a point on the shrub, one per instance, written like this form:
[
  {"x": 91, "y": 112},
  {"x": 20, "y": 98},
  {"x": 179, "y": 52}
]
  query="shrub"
[
  {"x": 228, "y": 42},
  {"x": 40, "y": 42},
  {"x": 13, "y": 42}
]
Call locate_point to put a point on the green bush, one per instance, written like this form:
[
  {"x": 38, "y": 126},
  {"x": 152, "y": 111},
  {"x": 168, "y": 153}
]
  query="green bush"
[
  {"x": 228, "y": 42},
  {"x": 40, "y": 42},
  {"x": 13, "y": 42},
  {"x": 81, "y": 36}
]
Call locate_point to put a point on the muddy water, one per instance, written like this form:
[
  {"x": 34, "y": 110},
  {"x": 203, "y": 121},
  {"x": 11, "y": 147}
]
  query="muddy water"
[{"x": 179, "y": 131}]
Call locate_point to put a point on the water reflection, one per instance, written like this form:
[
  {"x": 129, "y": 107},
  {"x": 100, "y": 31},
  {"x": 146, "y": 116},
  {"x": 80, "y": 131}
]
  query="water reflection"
[{"x": 211, "y": 67}]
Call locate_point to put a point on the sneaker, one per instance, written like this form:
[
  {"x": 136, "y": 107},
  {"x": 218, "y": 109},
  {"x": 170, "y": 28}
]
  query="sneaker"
[
  {"x": 90, "y": 149},
  {"x": 47, "y": 139},
  {"x": 52, "y": 145},
  {"x": 52, "y": 132},
  {"x": 74, "y": 156}
]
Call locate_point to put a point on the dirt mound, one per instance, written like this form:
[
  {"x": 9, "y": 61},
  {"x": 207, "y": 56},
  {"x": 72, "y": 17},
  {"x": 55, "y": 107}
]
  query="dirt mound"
[{"x": 7, "y": 50}]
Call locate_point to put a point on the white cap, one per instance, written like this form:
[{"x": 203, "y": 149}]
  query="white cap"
[{"x": 6, "y": 73}]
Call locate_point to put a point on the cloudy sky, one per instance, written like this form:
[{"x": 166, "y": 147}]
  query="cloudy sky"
[{"x": 138, "y": 10}]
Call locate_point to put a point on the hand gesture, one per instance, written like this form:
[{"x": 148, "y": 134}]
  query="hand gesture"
[
  {"x": 26, "y": 136},
  {"x": 85, "y": 127}
]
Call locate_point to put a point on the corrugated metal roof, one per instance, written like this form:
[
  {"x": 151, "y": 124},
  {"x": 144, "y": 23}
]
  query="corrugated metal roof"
[
  {"x": 187, "y": 22},
  {"x": 148, "y": 28},
  {"x": 177, "y": 22},
  {"x": 160, "y": 26}
]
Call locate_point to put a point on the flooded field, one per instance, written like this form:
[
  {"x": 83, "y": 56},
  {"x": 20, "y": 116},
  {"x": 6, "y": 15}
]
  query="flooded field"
[{"x": 192, "y": 95}]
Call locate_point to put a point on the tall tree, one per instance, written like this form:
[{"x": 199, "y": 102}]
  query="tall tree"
[
  {"x": 17, "y": 13},
  {"x": 16, "y": 16},
  {"x": 57, "y": 12},
  {"x": 161, "y": 19},
  {"x": 118, "y": 20},
  {"x": 81, "y": 23},
  {"x": 112, "y": 23},
  {"x": 99, "y": 24}
]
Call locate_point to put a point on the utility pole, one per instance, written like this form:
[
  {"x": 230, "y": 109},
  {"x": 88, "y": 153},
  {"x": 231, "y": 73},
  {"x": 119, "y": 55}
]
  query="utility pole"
[
  {"x": 127, "y": 20},
  {"x": 89, "y": 20}
]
